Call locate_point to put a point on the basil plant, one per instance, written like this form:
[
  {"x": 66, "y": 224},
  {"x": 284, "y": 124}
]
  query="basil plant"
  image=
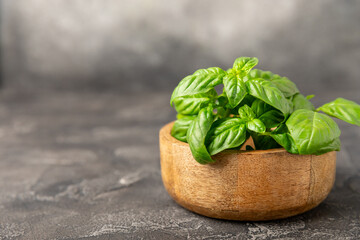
[{"x": 254, "y": 103}]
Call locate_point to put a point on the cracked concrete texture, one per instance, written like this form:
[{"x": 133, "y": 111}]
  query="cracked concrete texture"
[{"x": 71, "y": 167}]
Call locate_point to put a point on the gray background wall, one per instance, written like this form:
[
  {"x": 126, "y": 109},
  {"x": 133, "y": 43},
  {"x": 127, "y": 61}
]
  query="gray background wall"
[{"x": 148, "y": 45}]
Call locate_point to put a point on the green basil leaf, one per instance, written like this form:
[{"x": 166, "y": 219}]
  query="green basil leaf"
[
  {"x": 191, "y": 105},
  {"x": 257, "y": 73},
  {"x": 269, "y": 93},
  {"x": 222, "y": 100},
  {"x": 313, "y": 132},
  {"x": 243, "y": 65},
  {"x": 210, "y": 71},
  {"x": 235, "y": 89},
  {"x": 335, "y": 145},
  {"x": 197, "y": 132},
  {"x": 223, "y": 112},
  {"x": 287, "y": 87},
  {"x": 272, "y": 118},
  {"x": 246, "y": 113},
  {"x": 300, "y": 102},
  {"x": 201, "y": 81},
  {"x": 256, "y": 125},
  {"x": 267, "y": 114},
  {"x": 309, "y": 97},
  {"x": 180, "y": 116},
  {"x": 248, "y": 100},
  {"x": 181, "y": 126},
  {"x": 286, "y": 141},
  {"x": 226, "y": 133},
  {"x": 264, "y": 142},
  {"x": 282, "y": 136},
  {"x": 259, "y": 107},
  {"x": 343, "y": 109}
]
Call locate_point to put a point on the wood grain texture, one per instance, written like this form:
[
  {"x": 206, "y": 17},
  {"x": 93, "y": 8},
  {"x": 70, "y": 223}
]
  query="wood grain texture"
[{"x": 245, "y": 185}]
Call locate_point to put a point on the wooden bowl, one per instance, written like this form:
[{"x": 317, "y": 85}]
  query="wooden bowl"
[{"x": 245, "y": 185}]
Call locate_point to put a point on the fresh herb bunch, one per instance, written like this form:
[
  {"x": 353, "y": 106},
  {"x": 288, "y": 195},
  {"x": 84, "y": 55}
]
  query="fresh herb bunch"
[{"x": 255, "y": 103}]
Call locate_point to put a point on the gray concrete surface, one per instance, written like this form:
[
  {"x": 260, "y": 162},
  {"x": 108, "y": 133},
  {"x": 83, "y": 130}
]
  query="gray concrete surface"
[{"x": 86, "y": 166}]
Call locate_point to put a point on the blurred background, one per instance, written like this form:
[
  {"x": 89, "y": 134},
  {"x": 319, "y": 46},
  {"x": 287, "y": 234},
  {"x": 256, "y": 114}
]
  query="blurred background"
[
  {"x": 147, "y": 45},
  {"x": 85, "y": 88}
]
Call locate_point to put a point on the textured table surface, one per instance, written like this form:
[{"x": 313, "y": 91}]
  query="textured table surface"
[{"x": 86, "y": 166}]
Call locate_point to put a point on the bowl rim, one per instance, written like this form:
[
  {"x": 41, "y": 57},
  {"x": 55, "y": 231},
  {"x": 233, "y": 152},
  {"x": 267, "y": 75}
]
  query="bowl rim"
[{"x": 167, "y": 134}]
